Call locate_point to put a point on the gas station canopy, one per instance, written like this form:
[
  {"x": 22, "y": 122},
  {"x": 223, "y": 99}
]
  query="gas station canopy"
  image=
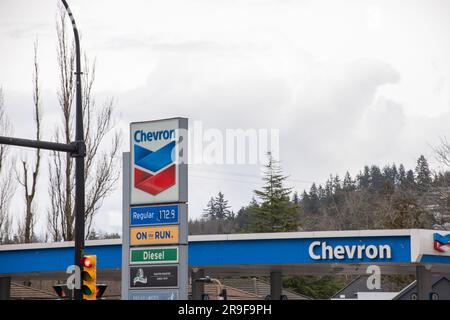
[{"x": 291, "y": 253}]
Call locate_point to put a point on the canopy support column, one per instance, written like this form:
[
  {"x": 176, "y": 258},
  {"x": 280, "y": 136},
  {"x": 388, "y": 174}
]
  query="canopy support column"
[
  {"x": 275, "y": 285},
  {"x": 198, "y": 287},
  {"x": 5, "y": 288},
  {"x": 424, "y": 285}
]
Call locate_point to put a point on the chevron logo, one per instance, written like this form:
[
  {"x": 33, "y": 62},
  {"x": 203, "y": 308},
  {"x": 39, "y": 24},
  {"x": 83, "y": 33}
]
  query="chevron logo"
[
  {"x": 160, "y": 163},
  {"x": 441, "y": 243}
]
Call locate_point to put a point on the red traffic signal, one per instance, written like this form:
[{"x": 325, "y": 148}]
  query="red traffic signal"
[{"x": 86, "y": 262}]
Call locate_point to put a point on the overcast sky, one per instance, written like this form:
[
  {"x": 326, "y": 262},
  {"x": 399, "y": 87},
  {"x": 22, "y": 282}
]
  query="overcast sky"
[{"x": 347, "y": 83}]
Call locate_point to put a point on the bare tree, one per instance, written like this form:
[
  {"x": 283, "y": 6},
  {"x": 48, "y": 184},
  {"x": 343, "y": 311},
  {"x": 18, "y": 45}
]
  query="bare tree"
[
  {"x": 355, "y": 213},
  {"x": 28, "y": 176},
  {"x": 101, "y": 171},
  {"x": 6, "y": 181},
  {"x": 443, "y": 152},
  {"x": 440, "y": 193},
  {"x": 402, "y": 210}
]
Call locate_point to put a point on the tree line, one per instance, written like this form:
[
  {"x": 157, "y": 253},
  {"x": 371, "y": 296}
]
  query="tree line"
[{"x": 388, "y": 197}]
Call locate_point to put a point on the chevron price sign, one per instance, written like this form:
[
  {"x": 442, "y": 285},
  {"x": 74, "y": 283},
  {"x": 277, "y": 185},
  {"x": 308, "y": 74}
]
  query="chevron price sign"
[
  {"x": 157, "y": 155},
  {"x": 155, "y": 216}
]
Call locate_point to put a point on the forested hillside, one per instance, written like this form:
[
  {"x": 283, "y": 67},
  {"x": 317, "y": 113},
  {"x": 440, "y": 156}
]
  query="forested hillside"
[{"x": 387, "y": 197}]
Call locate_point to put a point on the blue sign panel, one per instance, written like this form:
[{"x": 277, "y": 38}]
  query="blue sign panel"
[
  {"x": 153, "y": 215},
  {"x": 381, "y": 249},
  {"x": 153, "y": 295}
]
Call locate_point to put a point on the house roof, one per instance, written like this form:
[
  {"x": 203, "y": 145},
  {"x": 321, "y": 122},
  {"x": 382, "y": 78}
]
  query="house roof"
[
  {"x": 359, "y": 284},
  {"x": 212, "y": 290},
  {"x": 21, "y": 292},
  {"x": 260, "y": 288},
  {"x": 246, "y": 289},
  {"x": 412, "y": 285}
]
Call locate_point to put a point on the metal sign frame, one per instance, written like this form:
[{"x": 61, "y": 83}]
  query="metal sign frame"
[{"x": 181, "y": 292}]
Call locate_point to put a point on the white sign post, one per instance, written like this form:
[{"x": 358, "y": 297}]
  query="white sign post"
[{"x": 155, "y": 210}]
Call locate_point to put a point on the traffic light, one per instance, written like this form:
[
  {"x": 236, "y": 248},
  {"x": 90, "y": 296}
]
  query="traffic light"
[
  {"x": 223, "y": 295},
  {"x": 63, "y": 292},
  {"x": 101, "y": 288},
  {"x": 89, "y": 277}
]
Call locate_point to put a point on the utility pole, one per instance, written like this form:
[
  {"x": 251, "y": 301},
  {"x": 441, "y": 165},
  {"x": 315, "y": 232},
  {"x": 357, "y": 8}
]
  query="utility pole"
[{"x": 77, "y": 149}]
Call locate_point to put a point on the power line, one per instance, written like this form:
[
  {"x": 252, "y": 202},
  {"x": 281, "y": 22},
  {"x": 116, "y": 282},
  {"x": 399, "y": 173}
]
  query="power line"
[
  {"x": 223, "y": 179},
  {"x": 249, "y": 175}
]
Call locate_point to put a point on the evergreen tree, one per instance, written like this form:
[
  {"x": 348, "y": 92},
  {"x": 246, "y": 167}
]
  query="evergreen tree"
[
  {"x": 364, "y": 178},
  {"x": 376, "y": 178},
  {"x": 313, "y": 191},
  {"x": 321, "y": 194},
  {"x": 390, "y": 174},
  {"x": 245, "y": 218},
  {"x": 337, "y": 184},
  {"x": 295, "y": 198},
  {"x": 401, "y": 174},
  {"x": 217, "y": 208},
  {"x": 306, "y": 202},
  {"x": 276, "y": 212},
  {"x": 348, "y": 184},
  {"x": 311, "y": 202},
  {"x": 423, "y": 174},
  {"x": 389, "y": 178},
  {"x": 410, "y": 180},
  {"x": 394, "y": 176},
  {"x": 314, "y": 197},
  {"x": 210, "y": 212},
  {"x": 222, "y": 209},
  {"x": 329, "y": 189}
]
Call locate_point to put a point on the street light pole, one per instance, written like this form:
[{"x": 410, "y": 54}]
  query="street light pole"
[{"x": 79, "y": 157}]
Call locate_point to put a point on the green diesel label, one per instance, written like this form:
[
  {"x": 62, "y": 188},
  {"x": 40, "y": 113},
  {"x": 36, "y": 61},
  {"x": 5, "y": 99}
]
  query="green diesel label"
[{"x": 154, "y": 255}]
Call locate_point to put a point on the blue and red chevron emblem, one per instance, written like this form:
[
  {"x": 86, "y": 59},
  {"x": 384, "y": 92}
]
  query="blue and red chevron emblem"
[
  {"x": 441, "y": 243},
  {"x": 159, "y": 163}
]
